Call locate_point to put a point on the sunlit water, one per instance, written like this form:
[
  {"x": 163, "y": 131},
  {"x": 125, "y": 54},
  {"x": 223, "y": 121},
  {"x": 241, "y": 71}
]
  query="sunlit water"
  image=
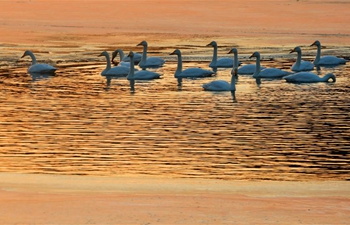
[{"x": 74, "y": 123}]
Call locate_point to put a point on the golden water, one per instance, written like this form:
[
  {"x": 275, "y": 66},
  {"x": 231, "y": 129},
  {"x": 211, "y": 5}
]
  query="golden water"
[{"x": 72, "y": 123}]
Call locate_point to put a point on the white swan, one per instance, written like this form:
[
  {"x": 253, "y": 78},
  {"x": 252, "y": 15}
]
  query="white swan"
[
  {"x": 301, "y": 65},
  {"x": 327, "y": 60},
  {"x": 142, "y": 74},
  {"x": 120, "y": 71},
  {"x": 308, "y": 77},
  {"x": 221, "y": 85},
  {"x": 190, "y": 72},
  {"x": 125, "y": 60},
  {"x": 38, "y": 67},
  {"x": 149, "y": 62},
  {"x": 219, "y": 63},
  {"x": 248, "y": 69},
  {"x": 268, "y": 72}
]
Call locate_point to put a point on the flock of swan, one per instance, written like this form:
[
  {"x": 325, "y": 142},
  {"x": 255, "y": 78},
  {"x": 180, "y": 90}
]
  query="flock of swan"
[{"x": 126, "y": 67}]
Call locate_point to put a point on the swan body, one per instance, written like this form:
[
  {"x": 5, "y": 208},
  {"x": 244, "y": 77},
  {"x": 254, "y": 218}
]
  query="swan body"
[
  {"x": 149, "y": 62},
  {"x": 142, "y": 74},
  {"x": 308, "y": 77},
  {"x": 221, "y": 85},
  {"x": 190, "y": 72},
  {"x": 300, "y": 65},
  {"x": 268, "y": 72},
  {"x": 125, "y": 60},
  {"x": 328, "y": 60},
  {"x": 219, "y": 63},
  {"x": 38, "y": 68},
  {"x": 120, "y": 71}
]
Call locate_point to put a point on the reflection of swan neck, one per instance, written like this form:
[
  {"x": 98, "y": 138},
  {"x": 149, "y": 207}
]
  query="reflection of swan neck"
[
  {"x": 132, "y": 69},
  {"x": 233, "y": 82},
  {"x": 32, "y": 56}
]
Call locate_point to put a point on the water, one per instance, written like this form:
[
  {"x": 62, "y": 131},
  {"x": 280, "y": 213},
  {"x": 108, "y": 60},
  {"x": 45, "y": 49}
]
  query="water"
[{"x": 74, "y": 123}]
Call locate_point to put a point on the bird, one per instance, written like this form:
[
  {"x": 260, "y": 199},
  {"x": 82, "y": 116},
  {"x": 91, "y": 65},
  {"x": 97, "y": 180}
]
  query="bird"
[
  {"x": 308, "y": 77},
  {"x": 248, "y": 69},
  {"x": 124, "y": 60},
  {"x": 327, "y": 60},
  {"x": 301, "y": 65},
  {"x": 149, "y": 62},
  {"x": 119, "y": 71},
  {"x": 221, "y": 62},
  {"x": 268, "y": 72},
  {"x": 190, "y": 72},
  {"x": 142, "y": 74},
  {"x": 38, "y": 68},
  {"x": 222, "y": 85}
]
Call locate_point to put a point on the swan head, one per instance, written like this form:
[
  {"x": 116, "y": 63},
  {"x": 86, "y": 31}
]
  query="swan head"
[
  {"x": 316, "y": 43},
  {"x": 143, "y": 43},
  {"x": 131, "y": 54},
  {"x": 296, "y": 49},
  {"x": 213, "y": 44},
  {"x": 176, "y": 52},
  {"x": 104, "y": 53},
  {"x": 330, "y": 76},
  {"x": 27, "y": 52},
  {"x": 233, "y": 51},
  {"x": 255, "y": 54}
]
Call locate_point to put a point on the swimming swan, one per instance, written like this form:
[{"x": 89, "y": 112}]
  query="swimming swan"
[
  {"x": 268, "y": 72},
  {"x": 248, "y": 69},
  {"x": 120, "y": 71},
  {"x": 149, "y": 62},
  {"x": 124, "y": 60},
  {"x": 327, "y": 60},
  {"x": 219, "y": 63},
  {"x": 308, "y": 77},
  {"x": 190, "y": 72},
  {"x": 142, "y": 74},
  {"x": 222, "y": 85},
  {"x": 38, "y": 67},
  {"x": 301, "y": 65}
]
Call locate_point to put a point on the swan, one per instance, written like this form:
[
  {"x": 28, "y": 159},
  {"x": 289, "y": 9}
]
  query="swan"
[
  {"x": 38, "y": 67},
  {"x": 308, "y": 77},
  {"x": 142, "y": 74},
  {"x": 327, "y": 60},
  {"x": 219, "y": 63},
  {"x": 190, "y": 72},
  {"x": 268, "y": 72},
  {"x": 244, "y": 70},
  {"x": 120, "y": 71},
  {"x": 124, "y": 60},
  {"x": 222, "y": 85},
  {"x": 149, "y": 62},
  {"x": 301, "y": 65}
]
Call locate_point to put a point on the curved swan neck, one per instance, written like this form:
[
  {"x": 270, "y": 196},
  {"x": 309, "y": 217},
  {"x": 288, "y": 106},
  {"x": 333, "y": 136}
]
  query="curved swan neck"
[
  {"x": 328, "y": 76},
  {"x": 318, "y": 54},
  {"x": 32, "y": 56},
  {"x": 179, "y": 64},
  {"x": 108, "y": 61},
  {"x": 257, "y": 67},
  {"x": 121, "y": 54}
]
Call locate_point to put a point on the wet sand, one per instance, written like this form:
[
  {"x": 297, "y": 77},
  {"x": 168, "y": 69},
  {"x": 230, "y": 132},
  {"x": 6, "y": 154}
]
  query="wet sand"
[{"x": 69, "y": 31}]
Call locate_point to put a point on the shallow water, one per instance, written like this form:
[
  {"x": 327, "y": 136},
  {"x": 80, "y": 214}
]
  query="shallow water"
[{"x": 73, "y": 123}]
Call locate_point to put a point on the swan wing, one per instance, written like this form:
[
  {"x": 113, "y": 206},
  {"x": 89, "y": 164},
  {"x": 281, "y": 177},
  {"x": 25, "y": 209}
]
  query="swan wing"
[
  {"x": 41, "y": 68},
  {"x": 331, "y": 60},
  {"x": 224, "y": 63},
  {"x": 248, "y": 69},
  {"x": 217, "y": 85},
  {"x": 273, "y": 73},
  {"x": 146, "y": 75},
  {"x": 195, "y": 72},
  {"x": 118, "y": 71},
  {"x": 302, "y": 77}
]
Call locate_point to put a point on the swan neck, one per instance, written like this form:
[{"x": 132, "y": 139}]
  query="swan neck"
[
  {"x": 132, "y": 69},
  {"x": 179, "y": 64},
  {"x": 32, "y": 56},
  {"x": 318, "y": 54},
  {"x": 215, "y": 54},
  {"x": 121, "y": 55},
  {"x": 298, "y": 59},
  {"x": 108, "y": 62},
  {"x": 235, "y": 57},
  {"x": 144, "y": 54},
  {"x": 257, "y": 67}
]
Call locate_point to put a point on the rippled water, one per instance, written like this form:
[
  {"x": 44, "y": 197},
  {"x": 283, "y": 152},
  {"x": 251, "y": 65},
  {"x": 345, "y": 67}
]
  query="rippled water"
[{"x": 73, "y": 123}]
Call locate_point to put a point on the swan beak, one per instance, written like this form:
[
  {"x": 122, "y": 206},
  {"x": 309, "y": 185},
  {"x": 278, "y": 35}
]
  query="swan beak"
[
  {"x": 173, "y": 53},
  {"x": 313, "y": 44},
  {"x": 209, "y": 45},
  {"x": 230, "y": 52},
  {"x": 291, "y": 51},
  {"x": 139, "y": 44},
  {"x": 23, "y": 56},
  {"x": 253, "y": 55}
]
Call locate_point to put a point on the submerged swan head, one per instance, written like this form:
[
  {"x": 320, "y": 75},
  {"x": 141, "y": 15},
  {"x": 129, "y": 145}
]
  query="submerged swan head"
[
  {"x": 213, "y": 44},
  {"x": 176, "y": 52},
  {"x": 255, "y": 54},
  {"x": 296, "y": 49},
  {"x": 143, "y": 43},
  {"x": 316, "y": 43},
  {"x": 330, "y": 76}
]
